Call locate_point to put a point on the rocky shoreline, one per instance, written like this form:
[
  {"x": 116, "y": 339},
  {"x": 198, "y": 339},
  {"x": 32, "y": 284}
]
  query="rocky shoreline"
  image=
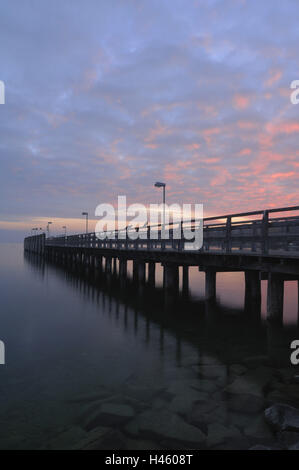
[{"x": 248, "y": 405}]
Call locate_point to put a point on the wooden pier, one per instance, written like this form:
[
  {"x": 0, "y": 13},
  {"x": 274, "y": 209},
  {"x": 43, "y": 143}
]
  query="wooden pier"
[{"x": 262, "y": 244}]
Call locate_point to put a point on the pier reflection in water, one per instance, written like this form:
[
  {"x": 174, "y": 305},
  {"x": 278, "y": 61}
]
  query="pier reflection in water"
[{"x": 83, "y": 338}]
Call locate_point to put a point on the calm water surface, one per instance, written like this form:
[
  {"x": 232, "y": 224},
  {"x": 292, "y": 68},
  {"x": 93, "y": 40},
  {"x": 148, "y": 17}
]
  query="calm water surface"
[{"x": 71, "y": 334}]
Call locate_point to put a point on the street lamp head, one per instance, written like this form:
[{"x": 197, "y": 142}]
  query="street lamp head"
[
  {"x": 84, "y": 213},
  {"x": 158, "y": 184},
  {"x": 49, "y": 223}
]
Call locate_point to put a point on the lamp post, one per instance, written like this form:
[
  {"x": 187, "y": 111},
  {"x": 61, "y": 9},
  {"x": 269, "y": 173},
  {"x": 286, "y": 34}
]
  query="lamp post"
[
  {"x": 158, "y": 184},
  {"x": 64, "y": 226},
  {"x": 48, "y": 229},
  {"x": 86, "y": 214}
]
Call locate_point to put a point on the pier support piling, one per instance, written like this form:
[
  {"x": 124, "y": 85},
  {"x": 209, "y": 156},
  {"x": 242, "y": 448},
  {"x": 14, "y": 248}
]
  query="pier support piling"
[
  {"x": 275, "y": 298},
  {"x": 108, "y": 264},
  {"x": 151, "y": 273},
  {"x": 171, "y": 283},
  {"x": 114, "y": 266},
  {"x": 253, "y": 296},
  {"x": 210, "y": 287},
  {"x": 141, "y": 272},
  {"x": 135, "y": 270},
  {"x": 122, "y": 268},
  {"x": 185, "y": 283}
]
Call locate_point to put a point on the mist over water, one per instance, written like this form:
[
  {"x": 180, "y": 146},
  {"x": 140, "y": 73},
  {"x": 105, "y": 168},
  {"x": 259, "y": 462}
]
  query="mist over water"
[{"x": 71, "y": 333}]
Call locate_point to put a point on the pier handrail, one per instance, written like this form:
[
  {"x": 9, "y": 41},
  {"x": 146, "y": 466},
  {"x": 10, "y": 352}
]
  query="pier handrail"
[{"x": 225, "y": 234}]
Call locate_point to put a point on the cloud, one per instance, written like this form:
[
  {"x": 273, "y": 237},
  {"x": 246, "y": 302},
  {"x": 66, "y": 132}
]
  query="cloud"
[{"x": 106, "y": 99}]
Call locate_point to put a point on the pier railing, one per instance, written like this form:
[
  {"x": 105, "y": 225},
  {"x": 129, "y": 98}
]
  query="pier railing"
[{"x": 258, "y": 232}]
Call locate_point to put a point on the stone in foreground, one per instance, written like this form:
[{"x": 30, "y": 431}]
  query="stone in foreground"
[
  {"x": 167, "y": 425},
  {"x": 282, "y": 417}
]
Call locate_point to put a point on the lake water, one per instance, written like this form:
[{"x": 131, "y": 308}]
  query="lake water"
[{"x": 88, "y": 354}]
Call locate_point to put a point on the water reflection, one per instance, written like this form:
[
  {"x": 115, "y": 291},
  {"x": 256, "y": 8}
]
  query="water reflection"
[
  {"x": 75, "y": 332},
  {"x": 209, "y": 325}
]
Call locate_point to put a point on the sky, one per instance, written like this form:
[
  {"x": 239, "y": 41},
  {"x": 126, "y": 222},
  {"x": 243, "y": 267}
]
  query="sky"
[{"x": 105, "y": 97}]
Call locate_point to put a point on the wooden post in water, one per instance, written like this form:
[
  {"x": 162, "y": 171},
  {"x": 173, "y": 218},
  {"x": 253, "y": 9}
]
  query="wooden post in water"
[
  {"x": 141, "y": 272},
  {"x": 275, "y": 298},
  {"x": 185, "y": 284},
  {"x": 135, "y": 270},
  {"x": 122, "y": 268},
  {"x": 108, "y": 264},
  {"x": 252, "y": 302},
  {"x": 171, "y": 279},
  {"x": 114, "y": 266},
  {"x": 151, "y": 273},
  {"x": 210, "y": 288}
]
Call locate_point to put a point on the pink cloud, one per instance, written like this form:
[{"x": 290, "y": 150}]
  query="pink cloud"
[
  {"x": 274, "y": 76},
  {"x": 245, "y": 151},
  {"x": 193, "y": 146},
  {"x": 241, "y": 101}
]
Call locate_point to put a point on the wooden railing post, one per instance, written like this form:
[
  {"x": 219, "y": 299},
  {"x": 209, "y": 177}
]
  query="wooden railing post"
[
  {"x": 228, "y": 234},
  {"x": 181, "y": 241},
  {"x": 265, "y": 225},
  {"x": 148, "y": 237}
]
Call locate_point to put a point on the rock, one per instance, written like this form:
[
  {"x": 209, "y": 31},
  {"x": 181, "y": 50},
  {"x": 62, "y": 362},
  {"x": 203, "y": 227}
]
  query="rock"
[
  {"x": 204, "y": 407},
  {"x": 209, "y": 361},
  {"x": 139, "y": 444},
  {"x": 237, "y": 369},
  {"x": 255, "y": 361},
  {"x": 90, "y": 398},
  {"x": 89, "y": 409},
  {"x": 289, "y": 440},
  {"x": 294, "y": 446},
  {"x": 289, "y": 391},
  {"x": 218, "y": 434},
  {"x": 262, "y": 447},
  {"x": 218, "y": 415},
  {"x": 252, "y": 382},
  {"x": 285, "y": 375},
  {"x": 277, "y": 397},
  {"x": 199, "y": 412},
  {"x": 189, "y": 360},
  {"x": 183, "y": 403},
  {"x": 159, "y": 404},
  {"x": 66, "y": 439},
  {"x": 282, "y": 417},
  {"x": 258, "y": 430},
  {"x": 240, "y": 443},
  {"x": 15, "y": 443},
  {"x": 169, "y": 426},
  {"x": 179, "y": 387},
  {"x": 245, "y": 403},
  {"x": 140, "y": 393},
  {"x": 240, "y": 420},
  {"x": 207, "y": 386},
  {"x": 109, "y": 414},
  {"x": 101, "y": 438},
  {"x": 210, "y": 371},
  {"x": 132, "y": 428}
]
